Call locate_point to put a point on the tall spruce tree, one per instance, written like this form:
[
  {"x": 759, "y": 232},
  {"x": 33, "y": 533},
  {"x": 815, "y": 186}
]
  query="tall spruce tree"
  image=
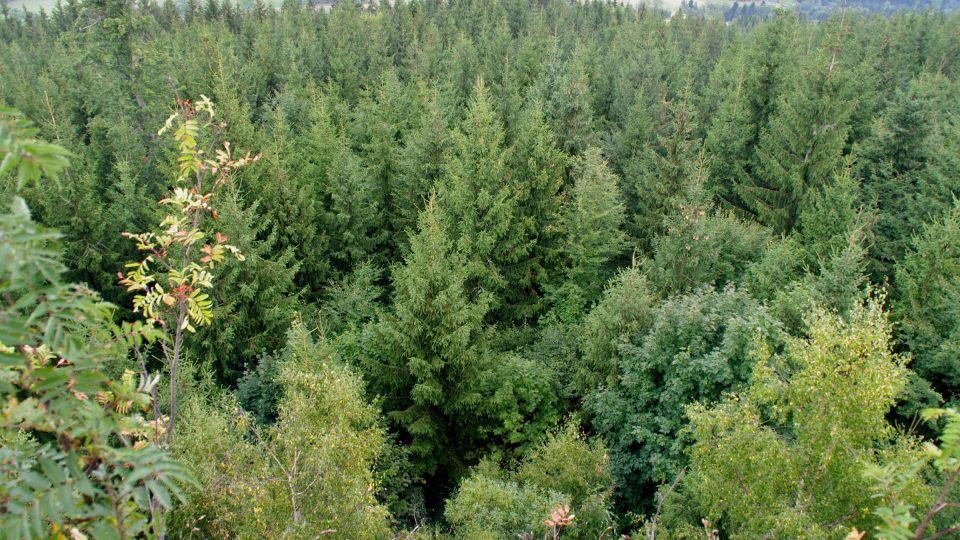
[
  {"x": 536, "y": 170},
  {"x": 928, "y": 302},
  {"x": 421, "y": 167},
  {"x": 428, "y": 361},
  {"x": 802, "y": 147},
  {"x": 898, "y": 166},
  {"x": 479, "y": 203},
  {"x": 289, "y": 199},
  {"x": 255, "y": 300},
  {"x": 592, "y": 220}
]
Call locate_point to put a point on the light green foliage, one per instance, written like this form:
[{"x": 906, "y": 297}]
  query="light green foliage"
[
  {"x": 309, "y": 472},
  {"x": 695, "y": 349},
  {"x": 625, "y": 309},
  {"x": 566, "y": 462},
  {"x": 490, "y": 508},
  {"x": 896, "y": 483},
  {"x": 77, "y": 457},
  {"x": 565, "y": 469},
  {"x": 22, "y": 152},
  {"x": 783, "y": 458}
]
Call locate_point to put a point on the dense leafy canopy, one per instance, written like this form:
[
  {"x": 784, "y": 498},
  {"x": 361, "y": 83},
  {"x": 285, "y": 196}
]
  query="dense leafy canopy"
[{"x": 490, "y": 268}]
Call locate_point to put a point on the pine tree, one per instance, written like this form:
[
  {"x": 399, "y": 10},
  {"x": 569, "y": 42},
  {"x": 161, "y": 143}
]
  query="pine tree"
[
  {"x": 428, "y": 360},
  {"x": 591, "y": 221},
  {"x": 478, "y": 202},
  {"x": 255, "y": 299},
  {"x": 537, "y": 169},
  {"x": 801, "y": 149}
]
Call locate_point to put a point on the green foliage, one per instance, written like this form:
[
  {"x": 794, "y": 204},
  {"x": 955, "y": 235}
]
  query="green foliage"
[
  {"x": 254, "y": 299},
  {"x": 801, "y": 148},
  {"x": 493, "y": 508},
  {"x": 479, "y": 205},
  {"x": 22, "y": 152},
  {"x": 760, "y": 165},
  {"x": 901, "y": 164},
  {"x": 702, "y": 245},
  {"x": 77, "y": 457},
  {"x": 450, "y": 395},
  {"x": 894, "y": 484},
  {"x": 625, "y": 309},
  {"x": 927, "y": 304},
  {"x": 565, "y": 470},
  {"x": 694, "y": 349},
  {"x": 537, "y": 169},
  {"x": 173, "y": 278},
  {"x": 310, "y": 472},
  {"x": 592, "y": 218},
  {"x": 783, "y": 458}
]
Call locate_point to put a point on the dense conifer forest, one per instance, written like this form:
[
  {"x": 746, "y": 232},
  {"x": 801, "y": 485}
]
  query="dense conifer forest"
[{"x": 480, "y": 269}]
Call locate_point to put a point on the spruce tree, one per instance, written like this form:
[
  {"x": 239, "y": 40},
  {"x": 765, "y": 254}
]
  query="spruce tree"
[
  {"x": 592, "y": 221},
  {"x": 661, "y": 172},
  {"x": 702, "y": 245},
  {"x": 802, "y": 147},
  {"x": 383, "y": 120},
  {"x": 898, "y": 166},
  {"x": 428, "y": 360},
  {"x": 292, "y": 202},
  {"x": 566, "y": 95},
  {"x": 928, "y": 302},
  {"x": 729, "y": 140},
  {"x": 536, "y": 170},
  {"x": 354, "y": 219},
  {"x": 255, "y": 299},
  {"x": 479, "y": 203},
  {"x": 422, "y": 163}
]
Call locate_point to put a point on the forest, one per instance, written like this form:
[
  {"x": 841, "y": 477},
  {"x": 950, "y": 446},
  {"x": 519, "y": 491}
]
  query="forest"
[{"x": 478, "y": 269}]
